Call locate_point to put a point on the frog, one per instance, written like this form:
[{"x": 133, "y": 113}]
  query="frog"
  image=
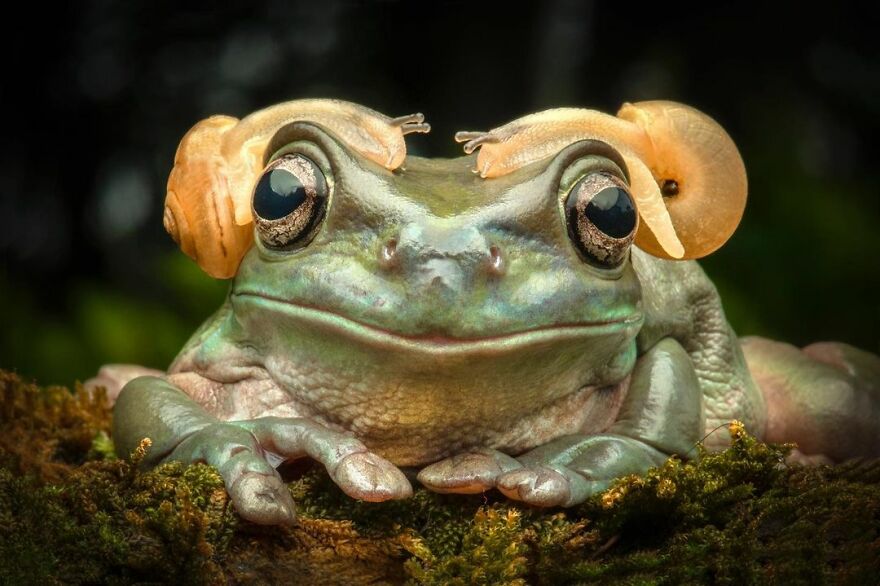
[{"x": 529, "y": 317}]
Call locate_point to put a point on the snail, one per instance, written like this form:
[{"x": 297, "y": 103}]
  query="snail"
[
  {"x": 208, "y": 203},
  {"x": 679, "y": 161}
]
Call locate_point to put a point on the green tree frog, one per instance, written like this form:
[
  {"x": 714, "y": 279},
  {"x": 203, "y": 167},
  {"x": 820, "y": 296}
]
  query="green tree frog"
[{"x": 527, "y": 318}]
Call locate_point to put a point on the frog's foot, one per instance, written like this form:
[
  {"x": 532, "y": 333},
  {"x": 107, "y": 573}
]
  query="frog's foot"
[
  {"x": 569, "y": 470},
  {"x": 115, "y": 376},
  {"x": 256, "y": 489},
  {"x": 564, "y": 472},
  {"x": 825, "y": 397},
  {"x": 360, "y": 473},
  {"x": 241, "y": 452},
  {"x": 468, "y": 473}
]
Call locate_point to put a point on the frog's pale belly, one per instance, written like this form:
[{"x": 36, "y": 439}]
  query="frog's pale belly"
[
  {"x": 414, "y": 427},
  {"x": 414, "y": 400}
]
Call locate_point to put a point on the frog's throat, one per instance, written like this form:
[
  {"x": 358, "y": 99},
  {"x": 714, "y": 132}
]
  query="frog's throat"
[{"x": 335, "y": 323}]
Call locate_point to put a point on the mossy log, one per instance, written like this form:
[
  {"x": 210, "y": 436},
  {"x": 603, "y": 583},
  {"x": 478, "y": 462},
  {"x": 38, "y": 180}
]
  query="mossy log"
[{"x": 71, "y": 512}]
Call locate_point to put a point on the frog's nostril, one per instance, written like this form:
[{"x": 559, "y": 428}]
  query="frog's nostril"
[
  {"x": 496, "y": 263},
  {"x": 388, "y": 258}
]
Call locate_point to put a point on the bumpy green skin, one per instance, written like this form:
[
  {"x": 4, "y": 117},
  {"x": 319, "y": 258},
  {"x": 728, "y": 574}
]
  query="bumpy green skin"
[{"x": 541, "y": 375}]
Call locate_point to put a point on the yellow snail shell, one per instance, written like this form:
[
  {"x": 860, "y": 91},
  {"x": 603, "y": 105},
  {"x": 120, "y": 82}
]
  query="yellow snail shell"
[
  {"x": 696, "y": 153},
  {"x": 208, "y": 203},
  {"x": 662, "y": 143}
]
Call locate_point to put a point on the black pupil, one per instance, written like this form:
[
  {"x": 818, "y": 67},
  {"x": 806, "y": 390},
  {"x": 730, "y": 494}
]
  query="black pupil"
[
  {"x": 278, "y": 193},
  {"x": 612, "y": 211}
]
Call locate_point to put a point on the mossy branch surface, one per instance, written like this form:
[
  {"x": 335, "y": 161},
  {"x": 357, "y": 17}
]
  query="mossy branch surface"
[{"x": 71, "y": 512}]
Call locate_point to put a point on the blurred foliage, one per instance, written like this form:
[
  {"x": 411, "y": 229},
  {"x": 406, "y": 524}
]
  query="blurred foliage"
[
  {"x": 101, "y": 325},
  {"x": 99, "y": 94},
  {"x": 73, "y": 515}
]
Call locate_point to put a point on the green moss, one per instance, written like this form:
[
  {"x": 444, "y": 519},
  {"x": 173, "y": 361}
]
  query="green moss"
[
  {"x": 47, "y": 431},
  {"x": 70, "y": 512}
]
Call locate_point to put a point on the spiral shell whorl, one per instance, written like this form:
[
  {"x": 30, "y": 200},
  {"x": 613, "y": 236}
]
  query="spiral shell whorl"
[
  {"x": 197, "y": 213},
  {"x": 692, "y": 150}
]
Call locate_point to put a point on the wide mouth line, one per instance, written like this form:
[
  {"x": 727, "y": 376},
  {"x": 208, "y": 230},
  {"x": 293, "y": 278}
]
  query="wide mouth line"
[{"x": 445, "y": 342}]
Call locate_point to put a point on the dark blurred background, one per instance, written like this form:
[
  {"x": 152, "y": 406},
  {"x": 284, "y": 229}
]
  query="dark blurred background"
[{"x": 97, "y": 94}]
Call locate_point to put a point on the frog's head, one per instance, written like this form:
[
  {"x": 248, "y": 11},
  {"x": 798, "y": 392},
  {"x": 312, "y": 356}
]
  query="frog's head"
[
  {"x": 539, "y": 237},
  {"x": 358, "y": 249}
]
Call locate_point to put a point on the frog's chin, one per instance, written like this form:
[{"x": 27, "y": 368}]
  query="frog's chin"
[{"x": 336, "y": 324}]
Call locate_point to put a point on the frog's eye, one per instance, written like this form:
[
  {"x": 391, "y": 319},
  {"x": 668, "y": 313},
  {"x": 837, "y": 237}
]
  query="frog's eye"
[
  {"x": 289, "y": 202},
  {"x": 601, "y": 218}
]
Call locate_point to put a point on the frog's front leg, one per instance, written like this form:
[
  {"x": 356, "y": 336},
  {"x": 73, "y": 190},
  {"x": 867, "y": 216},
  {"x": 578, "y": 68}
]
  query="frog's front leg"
[
  {"x": 661, "y": 415},
  {"x": 180, "y": 430}
]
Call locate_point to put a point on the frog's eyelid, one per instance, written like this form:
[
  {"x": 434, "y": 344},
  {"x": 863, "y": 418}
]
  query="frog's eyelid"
[
  {"x": 208, "y": 209},
  {"x": 662, "y": 142}
]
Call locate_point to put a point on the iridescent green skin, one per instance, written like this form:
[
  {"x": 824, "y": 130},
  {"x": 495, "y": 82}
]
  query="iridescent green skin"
[{"x": 446, "y": 323}]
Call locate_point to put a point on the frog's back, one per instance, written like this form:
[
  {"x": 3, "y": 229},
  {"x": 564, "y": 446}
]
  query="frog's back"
[{"x": 680, "y": 302}]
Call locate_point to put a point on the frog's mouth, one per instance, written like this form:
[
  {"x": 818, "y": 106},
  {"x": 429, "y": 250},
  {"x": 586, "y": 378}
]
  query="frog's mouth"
[{"x": 336, "y": 323}]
